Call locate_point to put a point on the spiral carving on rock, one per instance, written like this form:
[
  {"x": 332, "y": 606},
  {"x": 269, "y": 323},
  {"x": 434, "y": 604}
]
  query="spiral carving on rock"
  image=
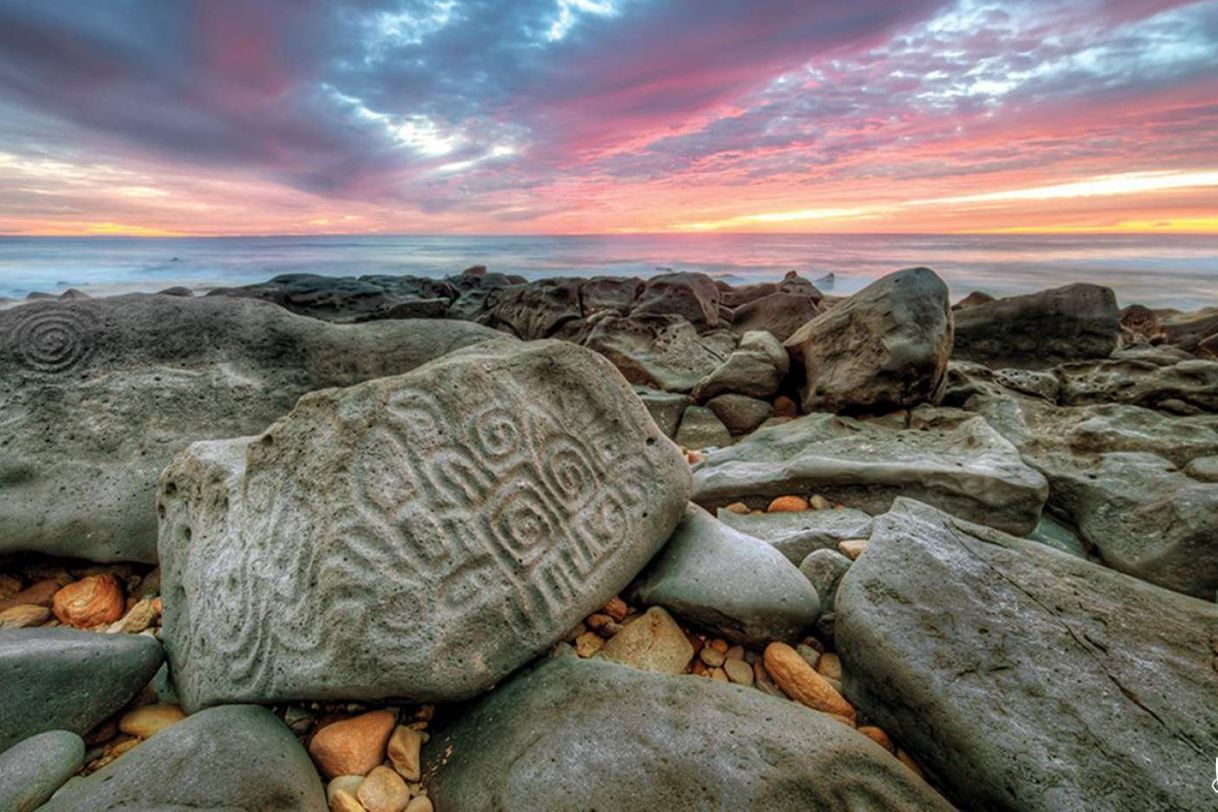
[{"x": 52, "y": 339}]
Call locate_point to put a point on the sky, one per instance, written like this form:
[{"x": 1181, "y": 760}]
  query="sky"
[{"x": 145, "y": 117}]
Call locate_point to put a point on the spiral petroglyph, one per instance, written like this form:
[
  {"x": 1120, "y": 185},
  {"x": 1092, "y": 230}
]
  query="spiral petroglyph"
[{"x": 52, "y": 338}]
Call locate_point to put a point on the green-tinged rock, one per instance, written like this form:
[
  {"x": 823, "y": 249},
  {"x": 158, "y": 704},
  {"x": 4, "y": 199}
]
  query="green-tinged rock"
[
  {"x": 824, "y": 569},
  {"x": 700, "y": 428},
  {"x": 31, "y": 770}
]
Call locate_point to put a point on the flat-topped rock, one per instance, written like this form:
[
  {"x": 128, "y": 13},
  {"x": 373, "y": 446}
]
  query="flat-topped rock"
[
  {"x": 587, "y": 734},
  {"x": 97, "y": 395},
  {"x": 1186, "y": 387},
  {"x": 419, "y": 536},
  {"x": 797, "y": 534},
  {"x": 966, "y": 468},
  {"x": 1024, "y": 678}
]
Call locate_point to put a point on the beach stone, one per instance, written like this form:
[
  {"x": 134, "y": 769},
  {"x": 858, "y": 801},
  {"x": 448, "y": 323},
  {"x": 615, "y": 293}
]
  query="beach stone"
[
  {"x": 740, "y": 414},
  {"x": 563, "y": 728},
  {"x": 23, "y": 616},
  {"x": 965, "y": 467},
  {"x": 1193, "y": 383},
  {"x": 651, "y": 642},
  {"x": 700, "y": 428},
  {"x": 420, "y": 803},
  {"x": 666, "y": 408},
  {"x": 663, "y": 352},
  {"x": 534, "y": 310},
  {"x": 63, "y": 679},
  {"x": 824, "y": 569},
  {"x": 31, "y": 770},
  {"x": 230, "y": 757},
  {"x": 796, "y": 535},
  {"x": 1028, "y": 679},
  {"x": 403, "y": 751},
  {"x": 976, "y": 297},
  {"x": 738, "y": 671},
  {"x": 383, "y": 791},
  {"x": 342, "y": 800},
  {"x": 728, "y": 583},
  {"x": 1203, "y": 469},
  {"x": 692, "y": 296},
  {"x": 886, "y": 347},
  {"x": 352, "y": 746},
  {"x": 149, "y": 720},
  {"x": 756, "y": 368},
  {"x": 97, "y": 395},
  {"x": 1040, "y": 329},
  {"x": 433, "y": 531},
  {"x": 40, "y": 593},
  {"x": 802, "y": 683},
  {"x": 780, "y": 314},
  {"x": 91, "y": 601}
]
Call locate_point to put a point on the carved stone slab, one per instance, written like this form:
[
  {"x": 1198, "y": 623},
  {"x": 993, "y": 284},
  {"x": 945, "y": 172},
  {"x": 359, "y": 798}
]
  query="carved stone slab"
[{"x": 419, "y": 536}]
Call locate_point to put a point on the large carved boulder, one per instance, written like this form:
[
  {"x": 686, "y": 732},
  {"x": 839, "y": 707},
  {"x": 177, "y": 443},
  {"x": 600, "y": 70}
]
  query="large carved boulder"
[
  {"x": 1040, "y": 329},
  {"x": 97, "y": 395},
  {"x": 419, "y": 536},
  {"x": 886, "y": 347},
  {"x": 589, "y": 734},
  {"x": 1025, "y": 678}
]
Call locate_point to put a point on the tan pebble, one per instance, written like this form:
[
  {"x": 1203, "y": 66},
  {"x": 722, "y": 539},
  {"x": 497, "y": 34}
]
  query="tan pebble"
[
  {"x": 118, "y": 748},
  {"x": 597, "y": 621},
  {"x": 829, "y": 666},
  {"x": 785, "y": 407},
  {"x": 879, "y": 737},
  {"x": 420, "y": 804},
  {"x": 383, "y": 791},
  {"x": 24, "y": 616},
  {"x": 616, "y": 608},
  {"x": 907, "y": 760},
  {"x": 343, "y": 801},
  {"x": 711, "y": 656},
  {"x": 346, "y": 783},
  {"x": 852, "y": 548},
  {"x": 352, "y": 746},
  {"x": 157, "y": 605},
  {"x": 89, "y": 602},
  {"x": 800, "y": 682},
  {"x": 737, "y": 507},
  {"x": 405, "y": 746},
  {"x": 719, "y": 675},
  {"x": 719, "y": 644},
  {"x": 739, "y": 672},
  {"x": 588, "y": 644},
  {"x": 40, "y": 594},
  {"x": 140, "y": 616},
  {"x": 150, "y": 719},
  {"x": 788, "y": 504},
  {"x": 734, "y": 653},
  {"x": 818, "y": 502}
]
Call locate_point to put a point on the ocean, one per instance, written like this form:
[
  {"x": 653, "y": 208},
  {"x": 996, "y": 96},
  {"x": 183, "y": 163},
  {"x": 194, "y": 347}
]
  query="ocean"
[{"x": 1167, "y": 271}]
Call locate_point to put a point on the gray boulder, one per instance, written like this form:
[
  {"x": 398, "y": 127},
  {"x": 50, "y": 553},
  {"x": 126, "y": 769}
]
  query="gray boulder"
[
  {"x": 232, "y": 757},
  {"x": 728, "y": 583},
  {"x": 740, "y": 414},
  {"x": 692, "y": 296},
  {"x": 666, "y": 408},
  {"x": 587, "y": 734},
  {"x": 63, "y": 679},
  {"x": 966, "y": 468},
  {"x": 779, "y": 314},
  {"x": 797, "y": 534},
  {"x": 32, "y": 770},
  {"x": 534, "y": 310},
  {"x": 663, "y": 352},
  {"x": 886, "y": 347},
  {"x": 702, "y": 428},
  {"x": 755, "y": 368},
  {"x": 611, "y": 294},
  {"x": 1040, "y": 329},
  {"x": 416, "y": 537},
  {"x": 97, "y": 395},
  {"x": 824, "y": 569},
  {"x": 1027, "y": 679}
]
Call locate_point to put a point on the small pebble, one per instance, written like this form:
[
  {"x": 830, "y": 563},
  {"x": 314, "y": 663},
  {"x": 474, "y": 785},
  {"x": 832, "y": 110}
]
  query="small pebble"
[
  {"x": 24, "y": 616},
  {"x": 908, "y": 761},
  {"x": 352, "y": 746},
  {"x": 788, "y": 504},
  {"x": 811, "y": 656},
  {"x": 346, "y": 783},
  {"x": 852, "y": 548},
  {"x": 616, "y": 608},
  {"x": 718, "y": 675},
  {"x": 738, "y": 671},
  {"x": 89, "y": 602},
  {"x": 588, "y": 644},
  {"x": 819, "y": 502},
  {"x": 343, "y": 801},
  {"x": 719, "y": 644},
  {"x": 800, "y": 682},
  {"x": 734, "y": 653},
  {"x": 737, "y": 507},
  {"x": 711, "y": 656},
  {"x": 785, "y": 407},
  {"x": 404, "y": 751},
  {"x": 829, "y": 666},
  {"x": 420, "y": 804},
  {"x": 40, "y": 594},
  {"x": 149, "y": 720},
  {"x": 383, "y": 791}
]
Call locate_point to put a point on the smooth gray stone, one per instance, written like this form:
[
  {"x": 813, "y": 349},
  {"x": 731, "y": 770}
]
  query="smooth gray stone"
[
  {"x": 1025, "y": 678},
  {"x": 825, "y": 568},
  {"x": 726, "y": 582},
  {"x": 234, "y": 757},
  {"x": 31, "y": 770},
  {"x": 413, "y": 537},
  {"x": 666, "y": 408},
  {"x": 756, "y": 368},
  {"x": 1053, "y": 533},
  {"x": 63, "y": 679},
  {"x": 589, "y": 734},
  {"x": 97, "y": 395},
  {"x": 740, "y": 414},
  {"x": 700, "y": 428},
  {"x": 962, "y": 466},
  {"x": 796, "y": 535}
]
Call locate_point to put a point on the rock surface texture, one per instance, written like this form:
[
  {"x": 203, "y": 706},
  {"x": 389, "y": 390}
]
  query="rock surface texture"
[
  {"x": 97, "y": 395},
  {"x": 886, "y": 347},
  {"x": 1025, "y": 678},
  {"x": 561, "y": 729},
  {"x": 33, "y": 769},
  {"x": 462, "y": 517}
]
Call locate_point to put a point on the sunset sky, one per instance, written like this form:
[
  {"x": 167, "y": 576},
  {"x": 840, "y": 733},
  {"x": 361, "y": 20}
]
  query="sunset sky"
[{"x": 605, "y": 116}]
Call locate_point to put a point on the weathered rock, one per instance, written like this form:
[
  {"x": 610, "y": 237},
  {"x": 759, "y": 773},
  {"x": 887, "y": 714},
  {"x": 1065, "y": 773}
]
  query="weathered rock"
[
  {"x": 1141, "y": 383},
  {"x": 886, "y": 347},
  {"x": 62, "y": 679},
  {"x": 824, "y": 569},
  {"x": 796, "y": 535},
  {"x": 344, "y": 298},
  {"x": 728, "y": 583},
  {"x": 611, "y": 294},
  {"x": 96, "y": 397},
  {"x": 1203, "y": 469},
  {"x": 231, "y": 757},
  {"x": 977, "y": 297},
  {"x": 692, "y": 296},
  {"x": 537, "y": 309},
  {"x": 666, "y": 408},
  {"x": 1028, "y": 679},
  {"x": 404, "y": 751},
  {"x": 740, "y": 414},
  {"x": 779, "y": 314},
  {"x": 383, "y": 791},
  {"x": 651, "y": 642},
  {"x": 1189, "y": 331},
  {"x": 967, "y": 378},
  {"x": 967, "y": 469},
  {"x": 1040, "y": 329},
  {"x": 701, "y": 428},
  {"x": 585, "y": 734},
  {"x": 352, "y": 746},
  {"x": 33, "y": 769},
  {"x": 661, "y": 351},
  {"x": 462, "y": 517},
  {"x": 1140, "y": 325},
  {"x": 755, "y": 368}
]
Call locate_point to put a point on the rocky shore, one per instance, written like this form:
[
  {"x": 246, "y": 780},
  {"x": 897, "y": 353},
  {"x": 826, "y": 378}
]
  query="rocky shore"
[{"x": 476, "y": 543}]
